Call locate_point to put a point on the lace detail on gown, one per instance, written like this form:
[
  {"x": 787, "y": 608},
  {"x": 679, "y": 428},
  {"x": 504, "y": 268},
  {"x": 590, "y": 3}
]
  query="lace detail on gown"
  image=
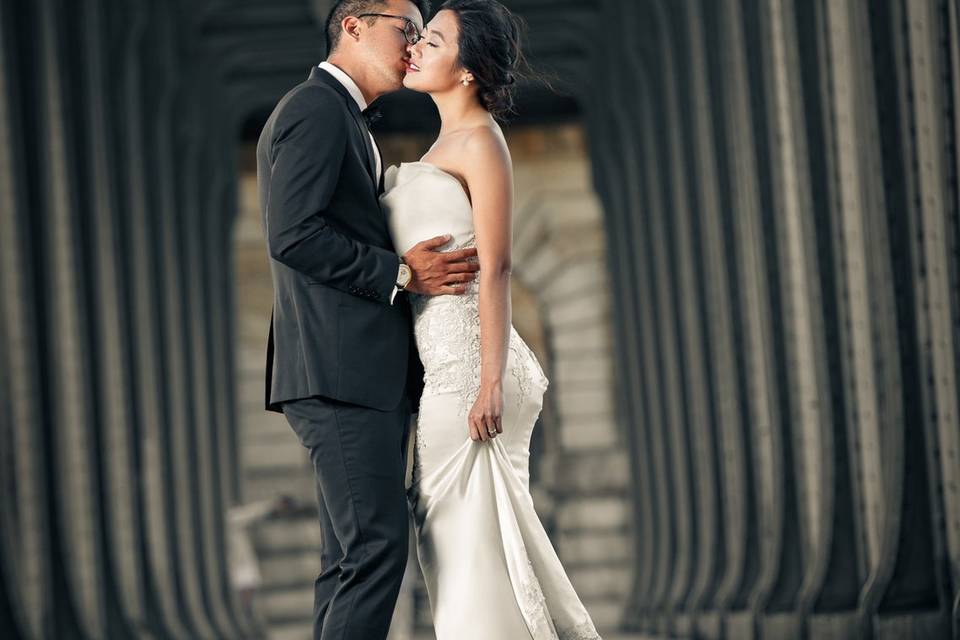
[
  {"x": 533, "y": 605},
  {"x": 447, "y": 331}
]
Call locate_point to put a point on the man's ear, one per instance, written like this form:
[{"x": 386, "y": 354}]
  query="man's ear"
[{"x": 351, "y": 27}]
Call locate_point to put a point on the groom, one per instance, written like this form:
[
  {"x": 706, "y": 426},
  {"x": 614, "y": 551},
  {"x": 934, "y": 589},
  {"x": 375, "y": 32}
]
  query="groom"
[{"x": 341, "y": 362}]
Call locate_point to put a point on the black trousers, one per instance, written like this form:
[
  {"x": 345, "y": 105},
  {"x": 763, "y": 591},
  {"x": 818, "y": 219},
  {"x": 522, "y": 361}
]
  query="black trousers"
[{"x": 358, "y": 456}]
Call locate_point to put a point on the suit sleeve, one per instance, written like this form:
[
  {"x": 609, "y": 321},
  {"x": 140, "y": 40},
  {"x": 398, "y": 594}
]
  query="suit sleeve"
[{"x": 306, "y": 157}]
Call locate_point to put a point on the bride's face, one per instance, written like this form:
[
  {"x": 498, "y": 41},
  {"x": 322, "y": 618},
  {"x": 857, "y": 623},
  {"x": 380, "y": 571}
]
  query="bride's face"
[{"x": 433, "y": 65}]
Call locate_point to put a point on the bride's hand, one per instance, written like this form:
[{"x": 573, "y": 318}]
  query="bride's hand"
[{"x": 485, "y": 417}]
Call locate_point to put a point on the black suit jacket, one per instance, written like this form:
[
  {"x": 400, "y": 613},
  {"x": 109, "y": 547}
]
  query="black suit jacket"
[{"x": 333, "y": 332}]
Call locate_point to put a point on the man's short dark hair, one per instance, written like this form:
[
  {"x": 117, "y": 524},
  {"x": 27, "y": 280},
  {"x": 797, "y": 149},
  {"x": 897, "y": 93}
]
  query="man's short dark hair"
[{"x": 344, "y": 8}]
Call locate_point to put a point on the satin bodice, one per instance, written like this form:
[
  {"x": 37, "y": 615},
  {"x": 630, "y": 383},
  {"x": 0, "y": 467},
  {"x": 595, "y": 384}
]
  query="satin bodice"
[{"x": 423, "y": 201}]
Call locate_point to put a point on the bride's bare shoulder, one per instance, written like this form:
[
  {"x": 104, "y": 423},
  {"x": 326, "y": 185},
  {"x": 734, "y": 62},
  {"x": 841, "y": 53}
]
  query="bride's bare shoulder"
[
  {"x": 485, "y": 150},
  {"x": 486, "y": 139},
  {"x": 476, "y": 154}
]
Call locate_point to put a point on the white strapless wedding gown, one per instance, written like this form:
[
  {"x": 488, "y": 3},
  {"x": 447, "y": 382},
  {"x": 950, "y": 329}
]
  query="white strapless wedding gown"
[{"x": 490, "y": 570}]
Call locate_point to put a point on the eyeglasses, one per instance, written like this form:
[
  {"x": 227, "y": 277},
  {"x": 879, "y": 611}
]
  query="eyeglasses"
[{"x": 410, "y": 30}]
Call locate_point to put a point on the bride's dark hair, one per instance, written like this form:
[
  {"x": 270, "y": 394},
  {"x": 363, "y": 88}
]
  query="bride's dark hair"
[{"x": 490, "y": 49}]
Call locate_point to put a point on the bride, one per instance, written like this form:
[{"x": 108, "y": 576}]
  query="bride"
[{"x": 490, "y": 570}]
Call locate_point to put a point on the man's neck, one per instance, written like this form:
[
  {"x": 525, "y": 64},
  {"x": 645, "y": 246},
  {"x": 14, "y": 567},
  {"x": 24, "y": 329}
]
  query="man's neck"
[{"x": 350, "y": 67}]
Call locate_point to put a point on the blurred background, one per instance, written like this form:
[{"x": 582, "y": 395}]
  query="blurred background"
[{"x": 736, "y": 252}]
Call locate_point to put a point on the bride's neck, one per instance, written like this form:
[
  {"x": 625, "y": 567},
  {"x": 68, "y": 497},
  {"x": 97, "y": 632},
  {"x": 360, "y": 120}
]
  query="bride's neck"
[{"x": 459, "y": 110}]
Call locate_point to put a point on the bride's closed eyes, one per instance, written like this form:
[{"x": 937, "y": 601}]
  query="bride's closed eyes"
[{"x": 430, "y": 33}]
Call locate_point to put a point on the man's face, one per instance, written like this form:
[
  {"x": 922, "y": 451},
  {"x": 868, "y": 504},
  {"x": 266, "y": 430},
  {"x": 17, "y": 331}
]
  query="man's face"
[{"x": 385, "y": 46}]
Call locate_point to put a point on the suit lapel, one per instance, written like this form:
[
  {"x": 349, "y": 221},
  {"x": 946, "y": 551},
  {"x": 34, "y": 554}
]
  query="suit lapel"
[
  {"x": 367, "y": 143},
  {"x": 319, "y": 75},
  {"x": 383, "y": 172}
]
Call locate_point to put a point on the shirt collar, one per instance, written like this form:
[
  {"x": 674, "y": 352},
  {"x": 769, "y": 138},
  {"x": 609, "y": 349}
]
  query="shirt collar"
[{"x": 346, "y": 81}]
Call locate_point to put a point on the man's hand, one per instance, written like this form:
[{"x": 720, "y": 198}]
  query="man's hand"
[{"x": 437, "y": 273}]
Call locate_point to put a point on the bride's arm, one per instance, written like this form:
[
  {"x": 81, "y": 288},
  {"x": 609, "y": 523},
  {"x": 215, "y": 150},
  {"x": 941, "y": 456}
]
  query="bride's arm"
[{"x": 489, "y": 176}]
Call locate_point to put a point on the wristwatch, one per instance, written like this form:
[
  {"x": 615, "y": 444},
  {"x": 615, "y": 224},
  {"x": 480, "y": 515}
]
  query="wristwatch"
[{"x": 404, "y": 276}]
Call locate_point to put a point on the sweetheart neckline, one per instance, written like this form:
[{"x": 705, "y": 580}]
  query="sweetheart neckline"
[
  {"x": 442, "y": 172},
  {"x": 432, "y": 166}
]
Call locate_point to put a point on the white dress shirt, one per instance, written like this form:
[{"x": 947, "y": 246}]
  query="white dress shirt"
[{"x": 357, "y": 95}]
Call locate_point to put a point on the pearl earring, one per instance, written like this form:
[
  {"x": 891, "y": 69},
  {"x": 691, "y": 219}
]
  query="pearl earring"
[{"x": 466, "y": 82}]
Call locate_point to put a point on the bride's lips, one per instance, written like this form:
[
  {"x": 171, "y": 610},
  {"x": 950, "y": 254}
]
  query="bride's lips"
[{"x": 412, "y": 68}]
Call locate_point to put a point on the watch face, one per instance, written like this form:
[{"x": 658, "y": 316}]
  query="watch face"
[{"x": 405, "y": 275}]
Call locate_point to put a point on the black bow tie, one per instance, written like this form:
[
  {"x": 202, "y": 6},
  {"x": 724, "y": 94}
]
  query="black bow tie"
[{"x": 371, "y": 115}]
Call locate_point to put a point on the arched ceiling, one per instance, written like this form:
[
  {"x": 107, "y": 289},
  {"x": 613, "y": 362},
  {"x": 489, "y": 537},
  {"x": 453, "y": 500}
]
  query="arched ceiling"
[{"x": 262, "y": 48}]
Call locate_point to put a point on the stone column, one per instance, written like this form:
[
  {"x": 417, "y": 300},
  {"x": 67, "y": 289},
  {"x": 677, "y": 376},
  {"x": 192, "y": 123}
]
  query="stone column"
[
  {"x": 66, "y": 321},
  {"x": 26, "y": 527}
]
